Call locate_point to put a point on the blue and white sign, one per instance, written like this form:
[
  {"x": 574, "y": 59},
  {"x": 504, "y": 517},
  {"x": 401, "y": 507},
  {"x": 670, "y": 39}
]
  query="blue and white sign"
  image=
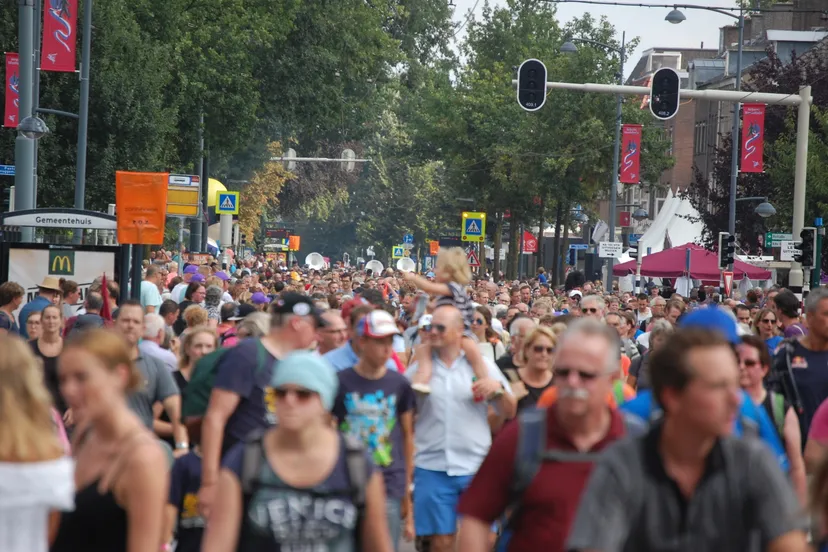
[
  {"x": 408, "y": 239},
  {"x": 634, "y": 238},
  {"x": 579, "y": 246},
  {"x": 6, "y": 170},
  {"x": 227, "y": 203}
]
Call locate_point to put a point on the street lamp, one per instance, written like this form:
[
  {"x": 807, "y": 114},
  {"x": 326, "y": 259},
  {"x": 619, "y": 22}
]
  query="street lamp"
[
  {"x": 33, "y": 128},
  {"x": 640, "y": 214},
  {"x": 764, "y": 209},
  {"x": 569, "y": 47},
  {"x": 581, "y": 218},
  {"x": 675, "y": 17}
]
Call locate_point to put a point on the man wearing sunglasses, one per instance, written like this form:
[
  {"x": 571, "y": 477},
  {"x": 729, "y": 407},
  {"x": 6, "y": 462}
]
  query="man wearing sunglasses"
[
  {"x": 452, "y": 434},
  {"x": 593, "y": 306}
]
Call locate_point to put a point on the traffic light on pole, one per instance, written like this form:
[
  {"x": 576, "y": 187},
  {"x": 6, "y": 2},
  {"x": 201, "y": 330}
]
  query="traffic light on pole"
[
  {"x": 805, "y": 253},
  {"x": 727, "y": 249},
  {"x": 531, "y": 89},
  {"x": 6, "y": 200},
  {"x": 664, "y": 94}
]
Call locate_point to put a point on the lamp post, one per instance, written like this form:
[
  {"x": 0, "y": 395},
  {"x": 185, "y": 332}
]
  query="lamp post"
[
  {"x": 675, "y": 17},
  {"x": 764, "y": 209},
  {"x": 569, "y": 47}
]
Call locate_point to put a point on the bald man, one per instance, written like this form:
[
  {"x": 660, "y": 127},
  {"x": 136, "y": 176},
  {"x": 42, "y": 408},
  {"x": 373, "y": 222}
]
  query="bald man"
[{"x": 333, "y": 333}]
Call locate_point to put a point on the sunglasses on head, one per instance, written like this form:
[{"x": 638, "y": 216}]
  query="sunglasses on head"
[
  {"x": 301, "y": 394},
  {"x": 564, "y": 373},
  {"x": 590, "y": 310},
  {"x": 540, "y": 348}
]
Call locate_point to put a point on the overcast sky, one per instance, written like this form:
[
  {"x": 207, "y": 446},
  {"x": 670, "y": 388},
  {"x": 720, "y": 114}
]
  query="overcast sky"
[{"x": 646, "y": 23}]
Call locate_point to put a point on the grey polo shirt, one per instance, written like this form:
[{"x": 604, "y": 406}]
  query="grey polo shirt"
[
  {"x": 158, "y": 384},
  {"x": 631, "y": 504}
]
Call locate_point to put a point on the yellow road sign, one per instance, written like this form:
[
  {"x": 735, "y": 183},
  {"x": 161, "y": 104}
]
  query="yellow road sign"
[{"x": 473, "y": 228}]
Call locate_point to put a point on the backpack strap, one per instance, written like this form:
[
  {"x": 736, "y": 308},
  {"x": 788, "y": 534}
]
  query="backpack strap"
[
  {"x": 252, "y": 461},
  {"x": 357, "y": 466},
  {"x": 749, "y": 427},
  {"x": 530, "y": 451},
  {"x": 778, "y": 409},
  {"x": 261, "y": 356}
]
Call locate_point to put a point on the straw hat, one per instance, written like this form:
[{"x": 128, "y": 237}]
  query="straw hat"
[{"x": 50, "y": 282}]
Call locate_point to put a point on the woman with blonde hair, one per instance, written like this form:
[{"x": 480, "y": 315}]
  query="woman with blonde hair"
[
  {"x": 121, "y": 471},
  {"x": 534, "y": 374},
  {"x": 195, "y": 316},
  {"x": 35, "y": 474}
]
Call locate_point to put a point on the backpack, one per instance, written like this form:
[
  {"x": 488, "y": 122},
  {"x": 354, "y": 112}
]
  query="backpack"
[
  {"x": 227, "y": 335},
  {"x": 197, "y": 396},
  {"x": 355, "y": 461},
  {"x": 531, "y": 453},
  {"x": 780, "y": 378}
]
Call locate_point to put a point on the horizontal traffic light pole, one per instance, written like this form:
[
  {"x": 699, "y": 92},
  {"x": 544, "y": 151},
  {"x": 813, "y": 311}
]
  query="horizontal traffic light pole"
[{"x": 712, "y": 95}]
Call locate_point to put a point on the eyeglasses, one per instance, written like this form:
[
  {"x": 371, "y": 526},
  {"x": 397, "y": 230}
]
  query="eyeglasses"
[
  {"x": 302, "y": 395},
  {"x": 478, "y": 321},
  {"x": 540, "y": 348},
  {"x": 563, "y": 373},
  {"x": 590, "y": 310},
  {"x": 750, "y": 363},
  {"x": 768, "y": 321},
  {"x": 439, "y": 328}
]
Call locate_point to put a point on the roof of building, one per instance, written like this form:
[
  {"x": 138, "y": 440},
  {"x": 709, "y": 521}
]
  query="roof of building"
[{"x": 774, "y": 35}]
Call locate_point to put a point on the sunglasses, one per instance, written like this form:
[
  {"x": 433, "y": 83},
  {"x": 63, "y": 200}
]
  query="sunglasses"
[
  {"x": 439, "y": 328},
  {"x": 478, "y": 321},
  {"x": 590, "y": 310},
  {"x": 540, "y": 348},
  {"x": 563, "y": 373},
  {"x": 768, "y": 321},
  {"x": 302, "y": 395}
]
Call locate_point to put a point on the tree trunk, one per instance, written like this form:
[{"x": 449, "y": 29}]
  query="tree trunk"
[
  {"x": 539, "y": 254},
  {"x": 565, "y": 244},
  {"x": 557, "y": 253},
  {"x": 481, "y": 256},
  {"x": 498, "y": 244},
  {"x": 514, "y": 249}
]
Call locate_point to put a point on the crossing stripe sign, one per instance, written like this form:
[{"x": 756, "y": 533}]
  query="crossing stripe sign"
[
  {"x": 474, "y": 227},
  {"x": 227, "y": 203}
]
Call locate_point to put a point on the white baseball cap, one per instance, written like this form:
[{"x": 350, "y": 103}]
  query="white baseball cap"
[{"x": 377, "y": 324}]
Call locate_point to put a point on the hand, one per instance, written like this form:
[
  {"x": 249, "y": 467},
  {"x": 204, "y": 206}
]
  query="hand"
[
  {"x": 486, "y": 387},
  {"x": 68, "y": 418},
  {"x": 179, "y": 452},
  {"x": 408, "y": 529},
  {"x": 206, "y": 496},
  {"x": 408, "y": 276}
]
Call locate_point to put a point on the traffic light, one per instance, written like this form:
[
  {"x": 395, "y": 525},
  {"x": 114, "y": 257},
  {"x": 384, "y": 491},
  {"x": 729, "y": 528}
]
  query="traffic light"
[
  {"x": 664, "y": 93},
  {"x": 6, "y": 200},
  {"x": 805, "y": 253},
  {"x": 727, "y": 249},
  {"x": 531, "y": 89}
]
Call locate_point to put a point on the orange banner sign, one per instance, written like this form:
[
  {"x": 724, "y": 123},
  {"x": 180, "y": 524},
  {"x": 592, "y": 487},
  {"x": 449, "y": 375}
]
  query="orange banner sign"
[
  {"x": 294, "y": 242},
  {"x": 433, "y": 247},
  {"x": 141, "y": 207}
]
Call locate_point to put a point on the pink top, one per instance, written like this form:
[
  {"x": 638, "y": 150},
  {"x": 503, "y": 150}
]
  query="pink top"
[
  {"x": 819, "y": 424},
  {"x": 64, "y": 439}
]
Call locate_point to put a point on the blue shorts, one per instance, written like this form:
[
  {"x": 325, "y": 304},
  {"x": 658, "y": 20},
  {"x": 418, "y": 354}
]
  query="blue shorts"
[{"x": 436, "y": 495}]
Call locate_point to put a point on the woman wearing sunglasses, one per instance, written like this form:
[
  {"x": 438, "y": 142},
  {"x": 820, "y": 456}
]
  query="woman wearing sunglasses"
[
  {"x": 487, "y": 340},
  {"x": 534, "y": 374},
  {"x": 300, "y": 486},
  {"x": 766, "y": 326},
  {"x": 754, "y": 364}
]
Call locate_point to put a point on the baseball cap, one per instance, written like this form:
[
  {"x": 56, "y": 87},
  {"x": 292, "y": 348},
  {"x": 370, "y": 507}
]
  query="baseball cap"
[
  {"x": 377, "y": 324},
  {"x": 712, "y": 318},
  {"x": 350, "y": 305},
  {"x": 245, "y": 309},
  {"x": 429, "y": 274},
  {"x": 425, "y": 320},
  {"x": 230, "y": 312},
  {"x": 197, "y": 278},
  {"x": 222, "y": 275},
  {"x": 575, "y": 292},
  {"x": 298, "y": 304},
  {"x": 191, "y": 269},
  {"x": 259, "y": 298}
]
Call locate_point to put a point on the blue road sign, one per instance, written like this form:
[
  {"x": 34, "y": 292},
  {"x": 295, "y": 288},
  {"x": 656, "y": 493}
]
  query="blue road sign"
[
  {"x": 408, "y": 238},
  {"x": 578, "y": 246},
  {"x": 634, "y": 238},
  {"x": 6, "y": 170},
  {"x": 227, "y": 203}
]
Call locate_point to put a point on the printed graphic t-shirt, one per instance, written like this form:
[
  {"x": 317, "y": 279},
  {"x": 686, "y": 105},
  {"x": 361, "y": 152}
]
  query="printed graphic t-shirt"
[
  {"x": 185, "y": 480},
  {"x": 371, "y": 410}
]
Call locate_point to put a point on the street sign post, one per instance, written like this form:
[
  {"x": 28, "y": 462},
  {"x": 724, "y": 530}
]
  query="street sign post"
[
  {"x": 6, "y": 170},
  {"x": 787, "y": 251},
  {"x": 474, "y": 227},
  {"x": 183, "y": 195},
  {"x": 610, "y": 250},
  {"x": 227, "y": 203},
  {"x": 473, "y": 259},
  {"x": 727, "y": 278},
  {"x": 408, "y": 239},
  {"x": 397, "y": 252},
  {"x": 775, "y": 239}
]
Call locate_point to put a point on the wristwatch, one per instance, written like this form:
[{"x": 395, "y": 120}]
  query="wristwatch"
[{"x": 182, "y": 446}]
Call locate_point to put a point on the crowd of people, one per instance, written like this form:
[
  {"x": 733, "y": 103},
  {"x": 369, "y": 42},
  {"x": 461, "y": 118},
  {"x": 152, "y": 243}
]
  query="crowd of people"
[{"x": 260, "y": 407}]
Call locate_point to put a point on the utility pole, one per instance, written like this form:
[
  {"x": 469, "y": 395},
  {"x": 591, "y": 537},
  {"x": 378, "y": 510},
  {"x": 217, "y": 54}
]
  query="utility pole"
[{"x": 24, "y": 147}]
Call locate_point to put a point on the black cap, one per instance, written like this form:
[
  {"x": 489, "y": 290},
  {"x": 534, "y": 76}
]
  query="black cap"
[
  {"x": 245, "y": 309},
  {"x": 230, "y": 311},
  {"x": 298, "y": 304}
]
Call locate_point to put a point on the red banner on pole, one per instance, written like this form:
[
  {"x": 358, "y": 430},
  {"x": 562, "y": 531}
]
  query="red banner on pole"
[
  {"x": 59, "y": 34},
  {"x": 753, "y": 138},
  {"x": 530, "y": 242},
  {"x": 630, "y": 170},
  {"x": 12, "y": 91},
  {"x": 624, "y": 219}
]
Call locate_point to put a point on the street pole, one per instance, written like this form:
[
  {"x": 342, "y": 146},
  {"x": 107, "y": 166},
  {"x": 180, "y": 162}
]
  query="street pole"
[
  {"x": 24, "y": 147},
  {"x": 734, "y": 136},
  {"x": 205, "y": 185},
  {"x": 619, "y": 101},
  {"x": 195, "y": 224},
  {"x": 795, "y": 277},
  {"x": 816, "y": 273},
  {"x": 83, "y": 115},
  {"x": 225, "y": 238},
  {"x": 36, "y": 92}
]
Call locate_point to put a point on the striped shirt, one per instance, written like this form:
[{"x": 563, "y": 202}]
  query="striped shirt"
[{"x": 460, "y": 299}]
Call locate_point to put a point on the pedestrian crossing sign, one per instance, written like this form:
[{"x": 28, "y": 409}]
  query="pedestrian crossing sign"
[
  {"x": 397, "y": 252},
  {"x": 227, "y": 203},
  {"x": 474, "y": 227}
]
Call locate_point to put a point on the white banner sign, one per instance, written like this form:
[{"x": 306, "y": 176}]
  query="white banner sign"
[
  {"x": 28, "y": 267},
  {"x": 787, "y": 251},
  {"x": 610, "y": 250}
]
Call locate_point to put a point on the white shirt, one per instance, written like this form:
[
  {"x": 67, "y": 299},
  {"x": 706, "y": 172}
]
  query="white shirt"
[
  {"x": 177, "y": 293},
  {"x": 451, "y": 431},
  {"x": 28, "y": 492},
  {"x": 153, "y": 349}
]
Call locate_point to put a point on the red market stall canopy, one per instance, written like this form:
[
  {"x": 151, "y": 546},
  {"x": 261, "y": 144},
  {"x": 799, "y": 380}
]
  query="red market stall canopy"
[{"x": 700, "y": 264}]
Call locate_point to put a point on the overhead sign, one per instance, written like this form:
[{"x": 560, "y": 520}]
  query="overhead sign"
[
  {"x": 610, "y": 250},
  {"x": 787, "y": 250},
  {"x": 408, "y": 239},
  {"x": 474, "y": 260},
  {"x": 278, "y": 233},
  {"x": 59, "y": 218},
  {"x": 727, "y": 278},
  {"x": 6, "y": 170},
  {"x": 601, "y": 229},
  {"x": 141, "y": 207},
  {"x": 183, "y": 195},
  {"x": 474, "y": 227},
  {"x": 397, "y": 252},
  {"x": 775, "y": 239},
  {"x": 227, "y": 203}
]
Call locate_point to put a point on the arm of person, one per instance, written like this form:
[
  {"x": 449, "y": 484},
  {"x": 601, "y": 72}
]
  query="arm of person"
[
  {"x": 172, "y": 406},
  {"x": 170, "y": 517},
  {"x": 174, "y": 500},
  {"x": 407, "y": 426},
  {"x": 221, "y": 406},
  {"x": 150, "y": 308},
  {"x": 222, "y": 532},
  {"x": 159, "y": 427},
  {"x": 143, "y": 494},
  {"x": 778, "y": 514},
  {"x": 817, "y": 438},
  {"x": 506, "y": 403},
  {"x": 375, "y": 535},
  {"x": 432, "y": 288},
  {"x": 793, "y": 446}
]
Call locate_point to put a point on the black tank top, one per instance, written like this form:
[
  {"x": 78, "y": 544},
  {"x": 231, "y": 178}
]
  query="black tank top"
[{"x": 97, "y": 524}]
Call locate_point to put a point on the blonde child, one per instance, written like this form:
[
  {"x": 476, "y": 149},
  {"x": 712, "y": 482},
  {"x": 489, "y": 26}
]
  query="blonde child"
[{"x": 451, "y": 275}]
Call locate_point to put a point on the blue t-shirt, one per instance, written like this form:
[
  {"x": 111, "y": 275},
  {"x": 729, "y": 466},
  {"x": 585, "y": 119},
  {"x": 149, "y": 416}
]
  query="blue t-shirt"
[
  {"x": 645, "y": 407},
  {"x": 773, "y": 343},
  {"x": 239, "y": 372},
  {"x": 370, "y": 411},
  {"x": 285, "y": 518},
  {"x": 185, "y": 480}
]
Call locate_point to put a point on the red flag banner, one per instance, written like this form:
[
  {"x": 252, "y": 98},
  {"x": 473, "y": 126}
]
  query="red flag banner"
[
  {"x": 59, "y": 34},
  {"x": 530, "y": 242},
  {"x": 630, "y": 170},
  {"x": 753, "y": 138},
  {"x": 12, "y": 91}
]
